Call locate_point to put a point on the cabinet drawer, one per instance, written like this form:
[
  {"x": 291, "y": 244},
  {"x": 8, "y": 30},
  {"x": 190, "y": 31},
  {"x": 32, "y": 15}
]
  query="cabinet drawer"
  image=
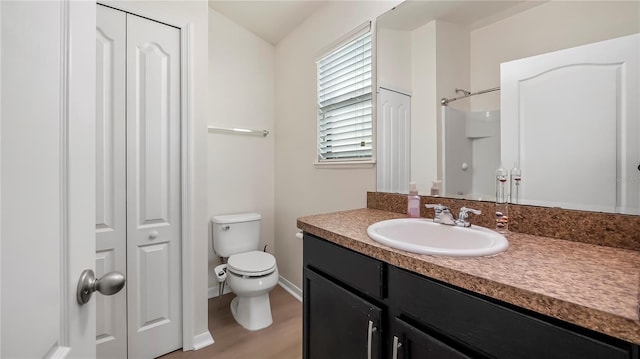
[
  {"x": 489, "y": 327},
  {"x": 358, "y": 271}
]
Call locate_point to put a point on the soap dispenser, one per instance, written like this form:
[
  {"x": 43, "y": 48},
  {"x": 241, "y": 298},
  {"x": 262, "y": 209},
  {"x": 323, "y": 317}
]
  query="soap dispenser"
[
  {"x": 436, "y": 188},
  {"x": 413, "y": 201}
]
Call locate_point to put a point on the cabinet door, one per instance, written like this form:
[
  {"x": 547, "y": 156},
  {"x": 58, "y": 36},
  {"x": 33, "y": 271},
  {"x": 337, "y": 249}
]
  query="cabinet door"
[
  {"x": 408, "y": 342},
  {"x": 337, "y": 322}
]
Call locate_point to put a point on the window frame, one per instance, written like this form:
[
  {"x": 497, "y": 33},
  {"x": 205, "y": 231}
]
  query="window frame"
[{"x": 349, "y": 162}]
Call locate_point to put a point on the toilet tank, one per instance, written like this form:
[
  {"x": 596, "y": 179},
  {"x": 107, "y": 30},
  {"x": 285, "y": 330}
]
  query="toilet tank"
[{"x": 236, "y": 233}]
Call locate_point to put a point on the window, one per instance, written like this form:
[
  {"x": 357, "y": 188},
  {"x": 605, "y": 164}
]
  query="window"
[{"x": 345, "y": 101}]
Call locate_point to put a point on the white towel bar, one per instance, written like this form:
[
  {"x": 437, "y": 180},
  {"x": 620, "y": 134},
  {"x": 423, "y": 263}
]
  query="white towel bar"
[{"x": 239, "y": 131}]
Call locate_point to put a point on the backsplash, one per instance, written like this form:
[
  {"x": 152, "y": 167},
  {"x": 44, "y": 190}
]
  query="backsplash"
[{"x": 605, "y": 229}]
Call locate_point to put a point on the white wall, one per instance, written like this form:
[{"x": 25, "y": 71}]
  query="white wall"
[
  {"x": 241, "y": 94},
  {"x": 452, "y": 62},
  {"x": 424, "y": 113},
  {"x": 452, "y": 71},
  {"x": 193, "y": 13},
  {"x": 394, "y": 60},
  {"x": 301, "y": 188},
  {"x": 566, "y": 24}
]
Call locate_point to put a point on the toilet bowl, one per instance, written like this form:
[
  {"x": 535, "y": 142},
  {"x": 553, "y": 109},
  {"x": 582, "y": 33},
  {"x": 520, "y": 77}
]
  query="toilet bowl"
[{"x": 251, "y": 276}]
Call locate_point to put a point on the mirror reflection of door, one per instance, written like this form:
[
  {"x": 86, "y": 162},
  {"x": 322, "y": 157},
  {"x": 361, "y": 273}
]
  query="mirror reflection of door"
[
  {"x": 393, "y": 158},
  {"x": 570, "y": 119}
]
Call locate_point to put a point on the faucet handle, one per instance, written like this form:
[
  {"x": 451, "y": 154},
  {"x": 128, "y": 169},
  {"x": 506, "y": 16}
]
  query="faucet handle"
[
  {"x": 437, "y": 207},
  {"x": 442, "y": 213},
  {"x": 466, "y": 210},
  {"x": 464, "y": 214}
]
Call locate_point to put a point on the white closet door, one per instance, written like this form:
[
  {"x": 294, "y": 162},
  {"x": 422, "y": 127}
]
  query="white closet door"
[
  {"x": 111, "y": 207},
  {"x": 153, "y": 188}
]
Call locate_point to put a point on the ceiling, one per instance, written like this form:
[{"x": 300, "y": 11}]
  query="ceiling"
[
  {"x": 271, "y": 20},
  {"x": 471, "y": 14}
]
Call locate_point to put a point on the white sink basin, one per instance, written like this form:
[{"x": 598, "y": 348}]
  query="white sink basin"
[{"x": 421, "y": 235}]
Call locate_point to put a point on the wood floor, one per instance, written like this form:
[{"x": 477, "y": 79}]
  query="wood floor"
[{"x": 281, "y": 340}]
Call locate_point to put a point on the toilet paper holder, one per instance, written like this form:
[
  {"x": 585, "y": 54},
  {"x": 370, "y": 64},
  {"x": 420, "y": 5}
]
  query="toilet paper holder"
[{"x": 221, "y": 274}]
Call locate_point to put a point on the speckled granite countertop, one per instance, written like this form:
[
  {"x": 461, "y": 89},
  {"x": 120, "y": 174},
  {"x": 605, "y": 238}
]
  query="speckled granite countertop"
[{"x": 592, "y": 286}]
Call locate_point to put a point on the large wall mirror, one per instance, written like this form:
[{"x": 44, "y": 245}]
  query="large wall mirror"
[{"x": 545, "y": 89}]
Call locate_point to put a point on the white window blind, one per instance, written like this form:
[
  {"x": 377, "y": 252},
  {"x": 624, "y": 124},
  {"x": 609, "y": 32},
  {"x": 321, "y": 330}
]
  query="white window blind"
[{"x": 345, "y": 102}]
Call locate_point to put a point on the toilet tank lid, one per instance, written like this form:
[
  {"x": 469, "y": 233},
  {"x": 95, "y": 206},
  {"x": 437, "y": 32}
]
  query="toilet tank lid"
[{"x": 236, "y": 218}]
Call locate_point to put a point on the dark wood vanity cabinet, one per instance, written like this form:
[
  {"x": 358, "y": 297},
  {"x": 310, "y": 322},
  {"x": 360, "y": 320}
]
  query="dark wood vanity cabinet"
[{"x": 359, "y": 307}]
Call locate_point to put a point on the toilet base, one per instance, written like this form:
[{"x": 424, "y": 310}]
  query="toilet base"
[{"x": 253, "y": 313}]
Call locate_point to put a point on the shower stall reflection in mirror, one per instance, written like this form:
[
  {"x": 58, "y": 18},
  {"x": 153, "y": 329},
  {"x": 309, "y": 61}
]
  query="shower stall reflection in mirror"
[{"x": 470, "y": 150}]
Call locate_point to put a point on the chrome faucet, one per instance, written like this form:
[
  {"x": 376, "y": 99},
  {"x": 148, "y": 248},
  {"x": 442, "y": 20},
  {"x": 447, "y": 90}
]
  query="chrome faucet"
[{"x": 443, "y": 215}]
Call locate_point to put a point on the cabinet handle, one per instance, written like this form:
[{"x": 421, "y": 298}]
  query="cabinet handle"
[
  {"x": 396, "y": 345},
  {"x": 370, "y": 332}
]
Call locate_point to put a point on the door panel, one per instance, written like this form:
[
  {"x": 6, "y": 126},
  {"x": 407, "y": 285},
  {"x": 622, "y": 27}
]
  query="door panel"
[
  {"x": 25, "y": 200},
  {"x": 153, "y": 188},
  {"x": 47, "y": 179},
  {"x": 153, "y": 119},
  {"x": 111, "y": 230},
  {"x": 110, "y": 315},
  {"x": 154, "y": 270}
]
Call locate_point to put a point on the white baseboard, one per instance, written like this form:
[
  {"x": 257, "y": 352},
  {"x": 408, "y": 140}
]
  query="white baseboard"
[
  {"x": 213, "y": 291},
  {"x": 291, "y": 288},
  {"x": 202, "y": 340}
]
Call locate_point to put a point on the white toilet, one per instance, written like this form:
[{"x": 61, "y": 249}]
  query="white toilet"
[{"x": 251, "y": 273}]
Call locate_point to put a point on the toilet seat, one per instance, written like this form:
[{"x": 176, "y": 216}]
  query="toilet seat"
[{"x": 251, "y": 264}]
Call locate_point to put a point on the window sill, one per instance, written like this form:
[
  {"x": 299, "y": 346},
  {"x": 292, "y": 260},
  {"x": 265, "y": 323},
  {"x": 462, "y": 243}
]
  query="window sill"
[{"x": 344, "y": 164}]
